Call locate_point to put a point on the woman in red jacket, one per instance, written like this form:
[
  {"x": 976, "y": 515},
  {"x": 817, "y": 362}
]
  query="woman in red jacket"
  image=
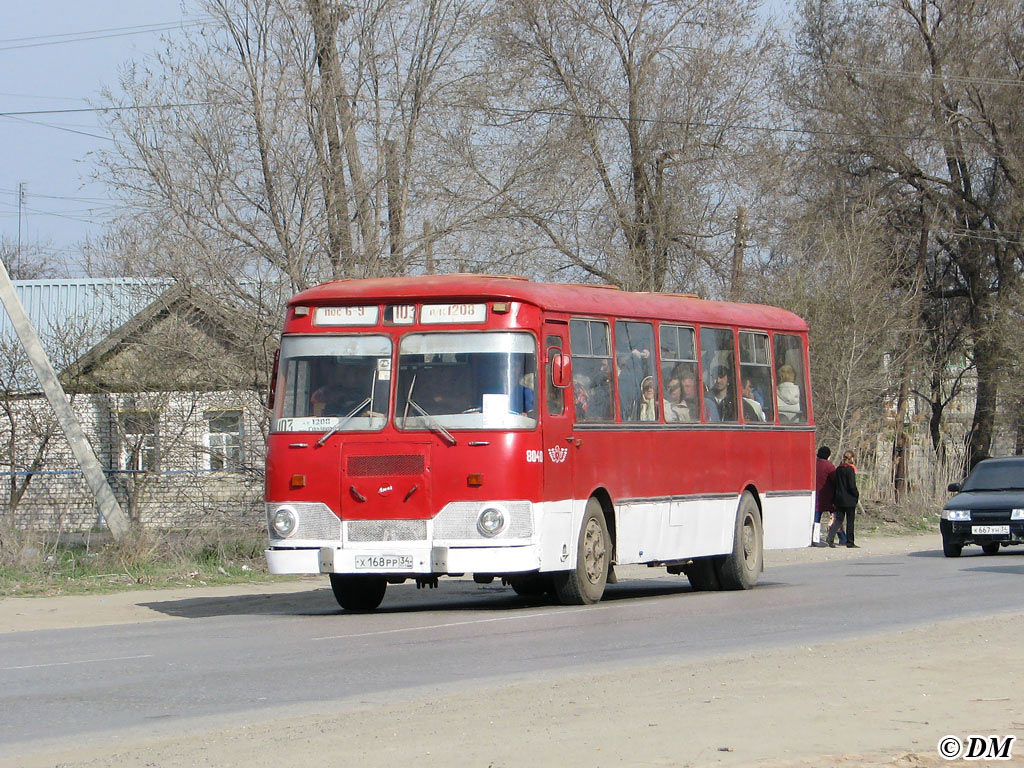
[{"x": 845, "y": 498}]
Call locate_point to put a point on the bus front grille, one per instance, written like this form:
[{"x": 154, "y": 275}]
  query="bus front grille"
[
  {"x": 383, "y": 466},
  {"x": 316, "y": 522},
  {"x": 387, "y": 530}
]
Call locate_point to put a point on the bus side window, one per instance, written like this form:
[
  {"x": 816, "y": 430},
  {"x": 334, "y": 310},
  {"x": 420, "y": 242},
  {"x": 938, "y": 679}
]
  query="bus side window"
[
  {"x": 555, "y": 397},
  {"x": 591, "y": 370},
  {"x": 679, "y": 374},
  {"x": 634, "y": 355},
  {"x": 790, "y": 378},
  {"x": 756, "y": 401},
  {"x": 718, "y": 365}
]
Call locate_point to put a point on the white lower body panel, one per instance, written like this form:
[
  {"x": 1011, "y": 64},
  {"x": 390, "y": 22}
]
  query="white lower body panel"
[{"x": 647, "y": 530}]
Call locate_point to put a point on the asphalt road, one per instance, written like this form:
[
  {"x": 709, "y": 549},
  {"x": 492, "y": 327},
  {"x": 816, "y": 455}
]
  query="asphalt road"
[{"x": 236, "y": 654}]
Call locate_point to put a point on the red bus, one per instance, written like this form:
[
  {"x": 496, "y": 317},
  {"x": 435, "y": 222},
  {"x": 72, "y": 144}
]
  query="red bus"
[{"x": 535, "y": 433}]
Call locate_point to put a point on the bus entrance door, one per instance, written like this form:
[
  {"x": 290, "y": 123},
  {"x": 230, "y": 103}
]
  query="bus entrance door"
[{"x": 559, "y": 443}]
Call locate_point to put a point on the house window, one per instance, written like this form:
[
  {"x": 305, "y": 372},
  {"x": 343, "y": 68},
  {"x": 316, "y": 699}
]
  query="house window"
[
  {"x": 139, "y": 444},
  {"x": 223, "y": 440}
]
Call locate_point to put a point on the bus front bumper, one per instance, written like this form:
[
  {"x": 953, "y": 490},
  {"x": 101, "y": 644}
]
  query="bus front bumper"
[{"x": 410, "y": 561}]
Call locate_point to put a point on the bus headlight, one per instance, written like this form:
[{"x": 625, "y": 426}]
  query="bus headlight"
[
  {"x": 959, "y": 515},
  {"x": 491, "y": 521},
  {"x": 285, "y": 522}
]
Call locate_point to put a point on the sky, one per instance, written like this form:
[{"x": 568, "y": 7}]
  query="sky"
[{"x": 57, "y": 56}]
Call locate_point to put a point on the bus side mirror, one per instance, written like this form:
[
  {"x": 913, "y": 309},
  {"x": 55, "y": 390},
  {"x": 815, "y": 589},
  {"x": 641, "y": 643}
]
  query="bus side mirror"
[
  {"x": 559, "y": 369},
  {"x": 954, "y": 488}
]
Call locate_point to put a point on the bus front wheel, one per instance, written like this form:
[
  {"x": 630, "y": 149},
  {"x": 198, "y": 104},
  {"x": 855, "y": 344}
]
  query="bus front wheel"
[
  {"x": 585, "y": 583},
  {"x": 358, "y": 593},
  {"x": 741, "y": 568}
]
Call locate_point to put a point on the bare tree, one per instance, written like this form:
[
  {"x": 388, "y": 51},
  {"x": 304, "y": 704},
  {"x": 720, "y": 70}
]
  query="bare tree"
[
  {"x": 31, "y": 261},
  {"x": 609, "y": 129},
  {"x": 840, "y": 281},
  {"x": 921, "y": 101},
  {"x": 248, "y": 151}
]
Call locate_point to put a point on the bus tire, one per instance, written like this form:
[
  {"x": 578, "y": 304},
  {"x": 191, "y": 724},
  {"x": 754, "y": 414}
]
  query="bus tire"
[
  {"x": 531, "y": 584},
  {"x": 358, "y": 593},
  {"x": 702, "y": 575},
  {"x": 741, "y": 568},
  {"x": 584, "y": 584}
]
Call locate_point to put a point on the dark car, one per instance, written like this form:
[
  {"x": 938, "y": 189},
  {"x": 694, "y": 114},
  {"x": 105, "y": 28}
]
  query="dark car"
[{"x": 988, "y": 508}]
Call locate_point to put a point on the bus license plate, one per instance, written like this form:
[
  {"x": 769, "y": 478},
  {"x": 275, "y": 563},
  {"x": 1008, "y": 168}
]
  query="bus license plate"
[
  {"x": 384, "y": 562},
  {"x": 990, "y": 530}
]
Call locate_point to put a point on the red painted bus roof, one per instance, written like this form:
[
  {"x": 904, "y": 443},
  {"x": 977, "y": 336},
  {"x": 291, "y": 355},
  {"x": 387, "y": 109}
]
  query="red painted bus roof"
[{"x": 555, "y": 297}]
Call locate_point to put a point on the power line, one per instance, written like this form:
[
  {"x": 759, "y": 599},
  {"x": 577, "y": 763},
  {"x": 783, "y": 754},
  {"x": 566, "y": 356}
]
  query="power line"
[
  {"x": 99, "y": 34},
  {"x": 550, "y": 112},
  {"x": 58, "y": 128}
]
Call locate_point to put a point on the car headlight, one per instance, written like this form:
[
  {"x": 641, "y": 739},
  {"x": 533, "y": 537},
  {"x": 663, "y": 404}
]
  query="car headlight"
[
  {"x": 285, "y": 522},
  {"x": 491, "y": 521},
  {"x": 1017, "y": 514},
  {"x": 957, "y": 514}
]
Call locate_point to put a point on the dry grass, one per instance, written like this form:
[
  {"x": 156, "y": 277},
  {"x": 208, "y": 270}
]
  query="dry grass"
[{"x": 31, "y": 564}]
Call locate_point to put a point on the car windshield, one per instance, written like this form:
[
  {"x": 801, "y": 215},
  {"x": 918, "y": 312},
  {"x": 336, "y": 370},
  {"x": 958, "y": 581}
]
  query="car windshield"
[
  {"x": 479, "y": 380},
  {"x": 333, "y": 383},
  {"x": 1001, "y": 476}
]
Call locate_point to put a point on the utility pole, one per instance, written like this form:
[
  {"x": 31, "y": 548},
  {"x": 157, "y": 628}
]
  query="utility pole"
[
  {"x": 80, "y": 447},
  {"x": 737, "y": 253},
  {"x": 428, "y": 247},
  {"x": 395, "y": 213},
  {"x": 21, "y": 200}
]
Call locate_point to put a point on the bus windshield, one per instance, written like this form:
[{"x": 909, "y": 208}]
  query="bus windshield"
[
  {"x": 339, "y": 383},
  {"x": 476, "y": 380}
]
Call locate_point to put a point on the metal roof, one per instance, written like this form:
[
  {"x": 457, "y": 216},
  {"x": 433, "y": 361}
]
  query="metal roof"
[{"x": 72, "y": 316}]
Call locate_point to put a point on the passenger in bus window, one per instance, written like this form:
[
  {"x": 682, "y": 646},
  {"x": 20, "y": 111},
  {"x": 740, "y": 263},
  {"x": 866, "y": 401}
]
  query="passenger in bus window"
[
  {"x": 675, "y": 407},
  {"x": 632, "y": 367},
  {"x": 690, "y": 396},
  {"x": 789, "y": 395},
  {"x": 581, "y": 396},
  {"x": 524, "y": 398},
  {"x": 648, "y": 405},
  {"x": 753, "y": 409},
  {"x": 721, "y": 395},
  {"x": 600, "y": 392}
]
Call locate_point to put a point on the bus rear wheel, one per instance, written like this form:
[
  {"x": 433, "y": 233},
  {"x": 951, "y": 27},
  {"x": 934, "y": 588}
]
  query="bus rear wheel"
[
  {"x": 358, "y": 593},
  {"x": 741, "y": 568},
  {"x": 531, "y": 584},
  {"x": 702, "y": 575},
  {"x": 584, "y": 584}
]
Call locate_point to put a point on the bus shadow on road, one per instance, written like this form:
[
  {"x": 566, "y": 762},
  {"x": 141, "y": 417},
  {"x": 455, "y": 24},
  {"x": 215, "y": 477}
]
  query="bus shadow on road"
[
  {"x": 449, "y": 597},
  {"x": 306, "y": 603}
]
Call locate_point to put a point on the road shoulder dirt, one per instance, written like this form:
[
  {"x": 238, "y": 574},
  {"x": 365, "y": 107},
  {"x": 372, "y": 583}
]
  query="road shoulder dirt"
[{"x": 881, "y": 700}]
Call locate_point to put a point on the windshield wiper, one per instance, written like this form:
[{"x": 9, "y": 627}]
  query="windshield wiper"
[
  {"x": 431, "y": 421},
  {"x": 342, "y": 421}
]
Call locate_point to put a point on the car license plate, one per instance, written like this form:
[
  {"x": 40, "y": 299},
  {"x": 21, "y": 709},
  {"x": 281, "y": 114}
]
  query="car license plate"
[
  {"x": 990, "y": 530},
  {"x": 384, "y": 562}
]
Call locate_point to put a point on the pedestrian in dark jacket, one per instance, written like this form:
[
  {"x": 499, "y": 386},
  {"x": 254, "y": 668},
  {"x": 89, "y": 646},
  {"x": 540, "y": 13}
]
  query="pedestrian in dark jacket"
[
  {"x": 845, "y": 498},
  {"x": 824, "y": 487}
]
